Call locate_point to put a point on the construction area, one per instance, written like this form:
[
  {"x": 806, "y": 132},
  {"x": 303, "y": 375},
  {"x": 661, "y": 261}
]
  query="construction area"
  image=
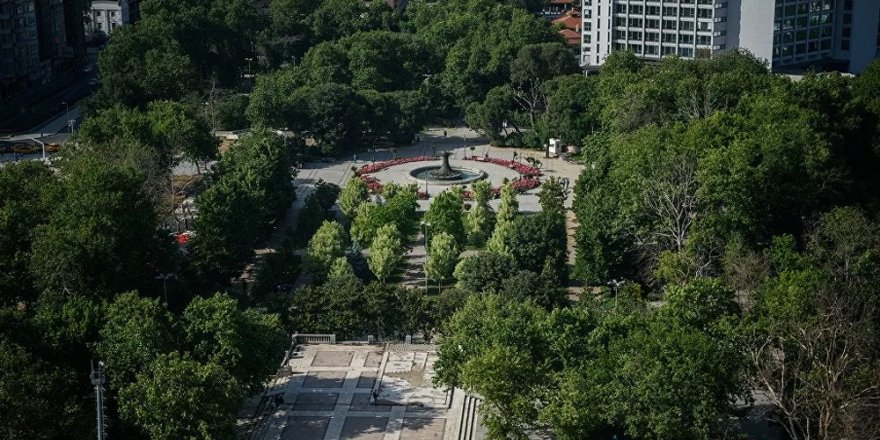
[{"x": 359, "y": 391}]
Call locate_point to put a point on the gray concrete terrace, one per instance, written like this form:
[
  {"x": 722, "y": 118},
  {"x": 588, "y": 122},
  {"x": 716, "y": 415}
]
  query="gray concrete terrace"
[{"x": 360, "y": 392}]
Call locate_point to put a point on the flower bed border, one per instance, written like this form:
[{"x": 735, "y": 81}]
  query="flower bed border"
[{"x": 529, "y": 175}]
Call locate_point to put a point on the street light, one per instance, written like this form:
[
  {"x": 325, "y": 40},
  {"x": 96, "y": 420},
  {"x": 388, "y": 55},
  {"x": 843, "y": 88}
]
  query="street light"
[
  {"x": 41, "y": 145},
  {"x": 165, "y": 277},
  {"x": 615, "y": 285},
  {"x": 426, "y": 225},
  {"x": 67, "y": 116}
]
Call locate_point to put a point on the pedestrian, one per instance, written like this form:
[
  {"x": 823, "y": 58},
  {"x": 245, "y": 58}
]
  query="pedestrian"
[{"x": 444, "y": 134}]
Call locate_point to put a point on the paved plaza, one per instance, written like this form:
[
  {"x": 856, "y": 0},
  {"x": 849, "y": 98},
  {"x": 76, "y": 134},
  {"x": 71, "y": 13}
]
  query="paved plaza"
[
  {"x": 458, "y": 141},
  {"x": 362, "y": 392}
]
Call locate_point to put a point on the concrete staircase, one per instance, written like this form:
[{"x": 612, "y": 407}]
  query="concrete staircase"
[{"x": 468, "y": 426}]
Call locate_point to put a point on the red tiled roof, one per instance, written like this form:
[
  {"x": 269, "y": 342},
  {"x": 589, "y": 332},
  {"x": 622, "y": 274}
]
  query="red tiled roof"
[
  {"x": 571, "y": 37},
  {"x": 569, "y": 21}
]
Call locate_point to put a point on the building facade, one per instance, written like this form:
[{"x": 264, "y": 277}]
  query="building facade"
[
  {"x": 838, "y": 34},
  {"x": 33, "y": 43},
  {"x": 103, "y": 17}
]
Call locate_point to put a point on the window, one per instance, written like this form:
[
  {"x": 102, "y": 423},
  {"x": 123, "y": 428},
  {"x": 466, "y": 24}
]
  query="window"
[
  {"x": 670, "y": 11},
  {"x": 704, "y": 40},
  {"x": 668, "y": 50},
  {"x": 636, "y": 9},
  {"x": 97, "y": 13},
  {"x": 652, "y": 24},
  {"x": 686, "y": 39},
  {"x": 686, "y": 52},
  {"x": 652, "y": 10},
  {"x": 634, "y": 35},
  {"x": 112, "y": 13},
  {"x": 669, "y": 38},
  {"x": 670, "y": 24},
  {"x": 635, "y": 22},
  {"x": 651, "y": 50},
  {"x": 686, "y": 25},
  {"x": 704, "y": 13},
  {"x": 652, "y": 36},
  {"x": 687, "y": 12}
]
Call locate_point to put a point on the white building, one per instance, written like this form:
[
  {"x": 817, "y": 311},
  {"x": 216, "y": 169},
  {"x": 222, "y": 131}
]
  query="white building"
[
  {"x": 787, "y": 33},
  {"x": 106, "y": 15}
]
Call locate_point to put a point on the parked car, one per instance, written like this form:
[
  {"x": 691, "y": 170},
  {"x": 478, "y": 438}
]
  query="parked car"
[
  {"x": 24, "y": 149},
  {"x": 53, "y": 148}
]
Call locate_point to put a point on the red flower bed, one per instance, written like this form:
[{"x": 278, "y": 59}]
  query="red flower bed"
[
  {"x": 525, "y": 170},
  {"x": 373, "y": 184},
  {"x": 379, "y": 166},
  {"x": 528, "y": 181}
]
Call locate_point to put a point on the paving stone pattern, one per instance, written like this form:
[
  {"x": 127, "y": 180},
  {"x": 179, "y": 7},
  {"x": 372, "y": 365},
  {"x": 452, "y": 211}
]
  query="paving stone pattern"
[{"x": 328, "y": 397}]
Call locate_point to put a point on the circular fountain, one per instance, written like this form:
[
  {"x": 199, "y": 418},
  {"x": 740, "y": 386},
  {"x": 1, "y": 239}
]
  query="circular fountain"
[{"x": 446, "y": 174}]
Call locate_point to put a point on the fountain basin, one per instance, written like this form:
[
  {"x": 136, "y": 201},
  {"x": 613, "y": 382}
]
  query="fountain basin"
[{"x": 457, "y": 176}]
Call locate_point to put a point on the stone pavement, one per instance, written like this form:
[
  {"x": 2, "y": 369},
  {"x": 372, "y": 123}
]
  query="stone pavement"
[{"x": 332, "y": 393}]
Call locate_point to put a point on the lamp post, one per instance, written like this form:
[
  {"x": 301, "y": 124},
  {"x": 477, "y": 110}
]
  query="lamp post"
[
  {"x": 67, "y": 116},
  {"x": 615, "y": 285},
  {"x": 426, "y": 225},
  {"x": 165, "y": 277},
  {"x": 41, "y": 145}
]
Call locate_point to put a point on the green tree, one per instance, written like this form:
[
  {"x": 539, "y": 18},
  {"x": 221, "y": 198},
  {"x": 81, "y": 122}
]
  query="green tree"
[
  {"x": 326, "y": 246},
  {"x": 488, "y": 117},
  {"x": 481, "y": 58},
  {"x": 102, "y": 235},
  {"x": 39, "y": 397},
  {"x": 552, "y": 198},
  {"x": 443, "y": 257},
  {"x": 335, "y": 116},
  {"x": 179, "y": 131},
  {"x": 178, "y": 397},
  {"x": 572, "y": 111},
  {"x": 21, "y": 209},
  {"x": 144, "y": 63},
  {"x": 135, "y": 331},
  {"x": 534, "y": 65},
  {"x": 484, "y": 272},
  {"x": 386, "y": 252},
  {"x": 480, "y": 218},
  {"x": 353, "y": 195},
  {"x": 246, "y": 343},
  {"x": 446, "y": 215},
  {"x": 507, "y": 212},
  {"x": 533, "y": 239}
]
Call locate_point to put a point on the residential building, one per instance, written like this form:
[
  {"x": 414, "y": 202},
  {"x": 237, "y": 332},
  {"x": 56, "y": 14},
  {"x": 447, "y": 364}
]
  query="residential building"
[
  {"x": 34, "y": 47},
  {"x": 789, "y": 34},
  {"x": 570, "y": 23},
  {"x": 557, "y": 8},
  {"x": 103, "y": 17},
  {"x": 106, "y": 15}
]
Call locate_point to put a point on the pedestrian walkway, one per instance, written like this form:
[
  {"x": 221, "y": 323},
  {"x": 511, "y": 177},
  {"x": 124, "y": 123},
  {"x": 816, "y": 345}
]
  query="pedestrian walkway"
[{"x": 362, "y": 392}]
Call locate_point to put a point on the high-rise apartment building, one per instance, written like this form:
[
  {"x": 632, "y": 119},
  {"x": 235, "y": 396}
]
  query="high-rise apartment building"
[
  {"x": 33, "y": 43},
  {"x": 842, "y": 34}
]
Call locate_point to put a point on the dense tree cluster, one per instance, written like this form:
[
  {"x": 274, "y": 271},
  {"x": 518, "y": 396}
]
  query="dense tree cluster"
[
  {"x": 726, "y": 154},
  {"x": 94, "y": 243},
  {"x": 590, "y": 371},
  {"x": 250, "y": 189}
]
